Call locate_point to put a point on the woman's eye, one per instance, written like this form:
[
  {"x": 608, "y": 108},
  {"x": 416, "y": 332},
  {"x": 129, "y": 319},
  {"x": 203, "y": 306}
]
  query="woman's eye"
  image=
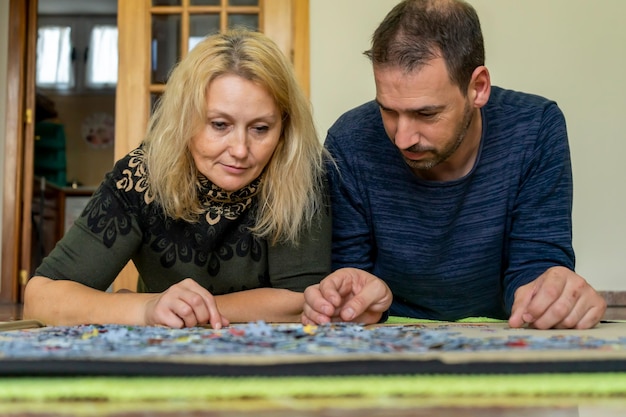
[
  {"x": 219, "y": 125},
  {"x": 261, "y": 129}
]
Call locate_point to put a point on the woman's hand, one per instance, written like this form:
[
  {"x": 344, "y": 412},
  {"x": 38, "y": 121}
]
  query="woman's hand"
[{"x": 185, "y": 304}]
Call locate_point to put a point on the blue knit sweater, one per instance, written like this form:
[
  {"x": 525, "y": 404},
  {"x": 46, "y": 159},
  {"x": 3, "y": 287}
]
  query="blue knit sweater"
[{"x": 459, "y": 248}]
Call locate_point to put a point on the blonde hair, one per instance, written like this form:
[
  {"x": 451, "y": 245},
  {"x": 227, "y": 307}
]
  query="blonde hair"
[{"x": 292, "y": 188}]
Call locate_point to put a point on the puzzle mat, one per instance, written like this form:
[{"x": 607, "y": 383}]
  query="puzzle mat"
[{"x": 261, "y": 349}]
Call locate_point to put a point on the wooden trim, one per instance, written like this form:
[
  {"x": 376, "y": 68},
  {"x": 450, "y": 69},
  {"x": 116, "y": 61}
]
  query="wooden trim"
[
  {"x": 184, "y": 31},
  {"x": 11, "y": 207},
  {"x": 261, "y": 13},
  {"x": 302, "y": 44},
  {"x": 288, "y": 25},
  {"x": 223, "y": 16},
  {"x": 276, "y": 24},
  {"x": 614, "y": 298},
  {"x": 28, "y": 142},
  {"x": 132, "y": 100}
]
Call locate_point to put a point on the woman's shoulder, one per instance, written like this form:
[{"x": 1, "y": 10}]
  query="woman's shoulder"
[
  {"x": 129, "y": 176},
  {"x": 132, "y": 160}
]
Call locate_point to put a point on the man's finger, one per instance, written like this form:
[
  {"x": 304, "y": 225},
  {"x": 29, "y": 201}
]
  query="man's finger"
[
  {"x": 523, "y": 297},
  {"x": 587, "y": 312},
  {"x": 311, "y": 316},
  {"x": 324, "y": 298},
  {"x": 368, "y": 298},
  {"x": 592, "y": 317},
  {"x": 566, "y": 310}
]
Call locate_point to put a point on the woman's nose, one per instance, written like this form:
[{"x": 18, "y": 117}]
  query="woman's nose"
[{"x": 238, "y": 144}]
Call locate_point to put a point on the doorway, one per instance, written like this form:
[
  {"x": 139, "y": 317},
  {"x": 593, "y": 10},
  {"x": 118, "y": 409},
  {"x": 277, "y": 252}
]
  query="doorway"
[
  {"x": 20, "y": 186},
  {"x": 75, "y": 81}
]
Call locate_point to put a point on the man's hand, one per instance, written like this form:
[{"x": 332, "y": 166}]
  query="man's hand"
[
  {"x": 559, "y": 298},
  {"x": 347, "y": 294},
  {"x": 185, "y": 304}
]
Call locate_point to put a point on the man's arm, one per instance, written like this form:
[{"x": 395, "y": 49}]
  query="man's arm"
[
  {"x": 541, "y": 287},
  {"x": 351, "y": 232}
]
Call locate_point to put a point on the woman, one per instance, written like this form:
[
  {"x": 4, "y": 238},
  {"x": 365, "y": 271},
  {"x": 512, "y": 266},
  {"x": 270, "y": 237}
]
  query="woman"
[{"x": 221, "y": 208}]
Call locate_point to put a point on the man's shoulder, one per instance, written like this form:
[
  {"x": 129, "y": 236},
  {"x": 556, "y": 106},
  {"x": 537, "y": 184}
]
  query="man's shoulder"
[
  {"x": 363, "y": 117},
  {"x": 518, "y": 124},
  {"x": 511, "y": 110},
  {"x": 514, "y": 99}
]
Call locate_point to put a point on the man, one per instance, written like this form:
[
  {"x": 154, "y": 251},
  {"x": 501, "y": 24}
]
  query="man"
[{"x": 456, "y": 194}]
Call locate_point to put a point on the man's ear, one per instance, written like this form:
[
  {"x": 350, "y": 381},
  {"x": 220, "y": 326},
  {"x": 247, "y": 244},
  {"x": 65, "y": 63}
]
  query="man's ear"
[{"x": 479, "y": 87}]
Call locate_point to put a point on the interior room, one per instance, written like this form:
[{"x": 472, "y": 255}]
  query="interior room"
[
  {"x": 64, "y": 123},
  {"x": 75, "y": 80}
]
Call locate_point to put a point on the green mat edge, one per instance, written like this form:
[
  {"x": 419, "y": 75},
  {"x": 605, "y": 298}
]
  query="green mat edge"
[
  {"x": 214, "y": 388},
  {"x": 408, "y": 320}
]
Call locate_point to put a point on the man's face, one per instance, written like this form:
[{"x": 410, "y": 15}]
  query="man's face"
[{"x": 424, "y": 114}]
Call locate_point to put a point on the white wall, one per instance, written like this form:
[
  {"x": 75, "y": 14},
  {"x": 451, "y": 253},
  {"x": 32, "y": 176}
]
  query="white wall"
[
  {"x": 573, "y": 51},
  {"x": 341, "y": 76}
]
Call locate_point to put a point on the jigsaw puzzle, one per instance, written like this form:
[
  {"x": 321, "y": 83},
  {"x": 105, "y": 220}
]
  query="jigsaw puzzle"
[{"x": 260, "y": 348}]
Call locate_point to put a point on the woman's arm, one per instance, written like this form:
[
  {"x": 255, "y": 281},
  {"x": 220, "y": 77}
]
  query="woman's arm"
[
  {"x": 65, "y": 302},
  {"x": 185, "y": 304},
  {"x": 268, "y": 304}
]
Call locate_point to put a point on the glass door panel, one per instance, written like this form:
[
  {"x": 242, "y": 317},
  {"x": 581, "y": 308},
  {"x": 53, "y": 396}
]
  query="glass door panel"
[
  {"x": 205, "y": 2},
  {"x": 166, "y": 2},
  {"x": 178, "y": 25},
  {"x": 243, "y": 2},
  {"x": 201, "y": 25},
  {"x": 165, "y": 45},
  {"x": 250, "y": 21}
]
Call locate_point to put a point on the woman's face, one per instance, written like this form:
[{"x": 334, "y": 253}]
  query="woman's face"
[{"x": 242, "y": 129}]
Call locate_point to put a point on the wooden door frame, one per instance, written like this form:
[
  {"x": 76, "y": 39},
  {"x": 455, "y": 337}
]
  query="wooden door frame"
[{"x": 13, "y": 150}]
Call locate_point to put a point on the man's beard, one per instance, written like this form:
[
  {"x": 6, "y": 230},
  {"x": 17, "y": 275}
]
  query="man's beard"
[{"x": 442, "y": 155}]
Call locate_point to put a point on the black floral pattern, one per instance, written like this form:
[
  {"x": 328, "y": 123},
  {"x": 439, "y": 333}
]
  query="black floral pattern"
[
  {"x": 105, "y": 221},
  {"x": 221, "y": 233}
]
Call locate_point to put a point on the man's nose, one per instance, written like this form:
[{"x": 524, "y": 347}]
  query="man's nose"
[{"x": 406, "y": 133}]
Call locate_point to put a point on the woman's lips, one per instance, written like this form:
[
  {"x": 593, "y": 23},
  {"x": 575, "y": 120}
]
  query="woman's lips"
[{"x": 234, "y": 169}]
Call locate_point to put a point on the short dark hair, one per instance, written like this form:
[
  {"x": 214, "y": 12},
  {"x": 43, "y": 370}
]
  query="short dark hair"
[{"x": 416, "y": 31}]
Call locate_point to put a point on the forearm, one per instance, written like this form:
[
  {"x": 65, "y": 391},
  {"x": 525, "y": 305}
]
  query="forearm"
[
  {"x": 268, "y": 304},
  {"x": 70, "y": 303}
]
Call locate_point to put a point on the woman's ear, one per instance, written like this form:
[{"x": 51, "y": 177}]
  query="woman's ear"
[{"x": 479, "y": 87}]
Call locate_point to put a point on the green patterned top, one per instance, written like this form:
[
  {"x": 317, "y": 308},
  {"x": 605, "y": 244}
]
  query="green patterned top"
[{"x": 122, "y": 222}]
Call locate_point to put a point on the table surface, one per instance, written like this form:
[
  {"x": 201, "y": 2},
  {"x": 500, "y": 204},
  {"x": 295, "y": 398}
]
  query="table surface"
[{"x": 335, "y": 407}]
